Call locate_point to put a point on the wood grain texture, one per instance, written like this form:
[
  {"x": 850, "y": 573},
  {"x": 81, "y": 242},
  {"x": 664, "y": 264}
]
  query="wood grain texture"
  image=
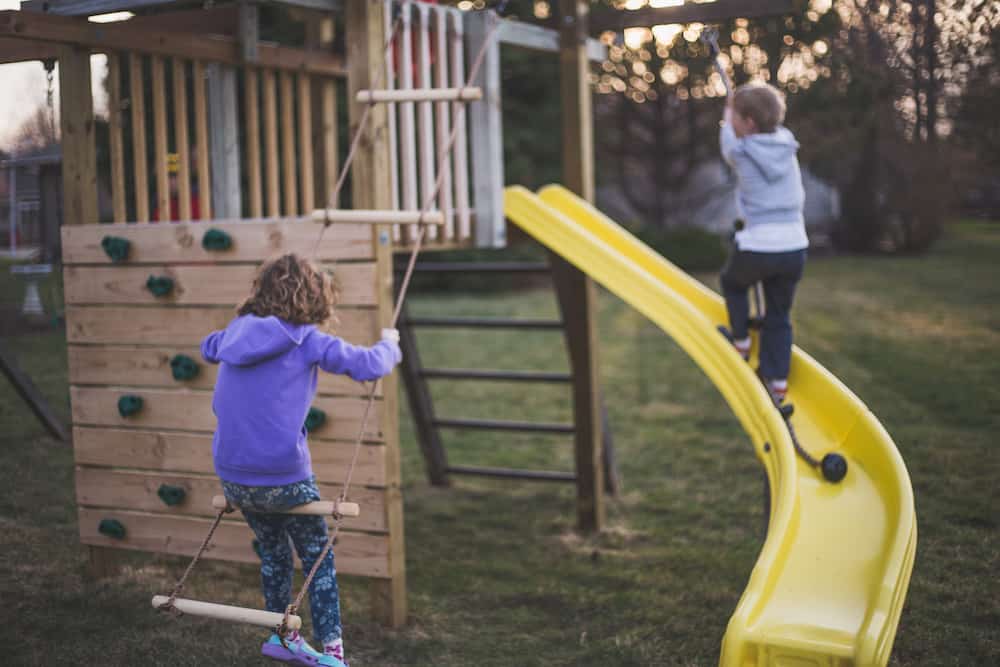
[
  {"x": 178, "y": 452},
  {"x": 191, "y": 410},
  {"x": 137, "y": 490},
  {"x": 252, "y": 241},
  {"x": 361, "y": 554},
  {"x": 183, "y": 325},
  {"x": 225, "y": 285},
  {"x": 135, "y": 366}
]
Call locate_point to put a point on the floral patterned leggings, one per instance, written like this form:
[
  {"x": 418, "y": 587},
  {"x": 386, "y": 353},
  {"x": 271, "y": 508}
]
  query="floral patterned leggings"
[{"x": 307, "y": 533}]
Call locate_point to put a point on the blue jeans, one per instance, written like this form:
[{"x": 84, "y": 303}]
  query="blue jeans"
[
  {"x": 779, "y": 272},
  {"x": 307, "y": 533}
]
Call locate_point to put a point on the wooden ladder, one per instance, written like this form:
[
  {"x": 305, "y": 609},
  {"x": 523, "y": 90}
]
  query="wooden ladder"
[{"x": 428, "y": 424}]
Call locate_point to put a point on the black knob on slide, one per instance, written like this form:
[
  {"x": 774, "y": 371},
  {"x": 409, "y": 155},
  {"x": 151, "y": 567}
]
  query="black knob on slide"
[{"x": 834, "y": 467}]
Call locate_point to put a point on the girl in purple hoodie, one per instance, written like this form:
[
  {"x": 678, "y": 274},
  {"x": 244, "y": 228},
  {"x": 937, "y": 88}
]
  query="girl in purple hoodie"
[{"x": 269, "y": 359}]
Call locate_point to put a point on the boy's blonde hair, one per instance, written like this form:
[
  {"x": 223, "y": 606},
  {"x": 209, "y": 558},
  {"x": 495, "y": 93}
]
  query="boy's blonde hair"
[
  {"x": 294, "y": 289},
  {"x": 762, "y": 103}
]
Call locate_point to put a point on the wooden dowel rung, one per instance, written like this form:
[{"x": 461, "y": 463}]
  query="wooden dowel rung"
[
  {"x": 318, "y": 508},
  {"x": 376, "y": 217},
  {"x": 470, "y": 94},
  {"x": 267, "y": 619}
]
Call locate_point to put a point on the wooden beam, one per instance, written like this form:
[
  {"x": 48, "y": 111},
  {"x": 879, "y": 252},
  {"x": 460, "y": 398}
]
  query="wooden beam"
[
  {"x": 116, "y": 141},
  {"x": 79, "y": 161},
  {"x": 372, "y": 189},
  {"x": 606, "y": 18},
  {"x": 18, "y": 50},
  {"x": 122, "y": 36},
  {"x": 94, "y": 7},
  {"x": 137, "y": 103},
  {"x": 576, "y": 292},
  {"x": 29, "y": 392},
  {"x": 540, "y": 38}
]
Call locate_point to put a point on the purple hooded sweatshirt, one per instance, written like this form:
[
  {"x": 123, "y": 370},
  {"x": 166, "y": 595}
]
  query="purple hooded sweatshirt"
[{"x": 266, "y": 382}]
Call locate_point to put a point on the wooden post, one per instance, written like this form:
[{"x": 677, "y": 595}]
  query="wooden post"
[
  {"x": 271, "y": 143},
  {"x": 288, "y": 143},
  {"x": 115, "y": 133},
  {"x": 577, "y": 296},
  {"x": 76, "y": 109},
  {"x": 252, "y": 114},
  {"x": 160, "y": 141},
  {"x": 201, "y": 140},
  {"x": 372, "y": 190},
  {"x": 137, "y": 103},
  {"x": 487, "y": 137},
  {"x": 224, "y": 139},
  {"x": 181, "y": 141}
]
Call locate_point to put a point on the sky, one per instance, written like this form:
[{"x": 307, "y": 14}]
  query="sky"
[{"x": 23, "y": 86}]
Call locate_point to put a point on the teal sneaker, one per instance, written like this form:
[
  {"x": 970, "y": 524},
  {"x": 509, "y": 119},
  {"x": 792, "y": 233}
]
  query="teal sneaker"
[{"x": 297, "y": 651}]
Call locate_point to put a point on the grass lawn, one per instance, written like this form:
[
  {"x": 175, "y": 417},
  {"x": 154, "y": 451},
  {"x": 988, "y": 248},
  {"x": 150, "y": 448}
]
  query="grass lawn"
[{"x": 496, "y": 573}]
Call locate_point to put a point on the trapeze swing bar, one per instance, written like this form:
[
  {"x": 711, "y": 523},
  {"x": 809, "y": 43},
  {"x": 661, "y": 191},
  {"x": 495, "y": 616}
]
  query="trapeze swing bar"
[
  {"x": 267, "y": 619},
  {"x": 420, "y": 95},
  {"x": 319, "y": 508},
  {"x": 377, "y": 217}
]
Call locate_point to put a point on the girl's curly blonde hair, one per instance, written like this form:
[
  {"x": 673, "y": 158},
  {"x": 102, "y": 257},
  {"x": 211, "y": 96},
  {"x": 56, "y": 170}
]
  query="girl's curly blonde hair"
[{"x": 292, "y": 289}]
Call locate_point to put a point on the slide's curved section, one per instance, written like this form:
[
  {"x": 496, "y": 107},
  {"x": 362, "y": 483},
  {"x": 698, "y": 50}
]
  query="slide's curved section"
[{"x": 829, "y": 583}]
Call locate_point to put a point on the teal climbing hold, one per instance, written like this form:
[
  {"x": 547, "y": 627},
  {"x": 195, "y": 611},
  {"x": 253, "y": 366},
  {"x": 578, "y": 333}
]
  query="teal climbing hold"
[
  {"x": 216, "y": 239},
  {"x": 183, "y": 367},
  {"x": 116, "y": 248},
  {"x": 160, "y": 285},
  {"x": 112, "y": 528},
  {"x": 171, "y": 495},
  {"x": 315, "y": 419},
  {"x": 129, "y": 404}
]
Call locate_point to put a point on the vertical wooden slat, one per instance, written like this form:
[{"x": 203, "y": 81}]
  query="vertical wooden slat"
[
  {"x": 201, "y": 139},
  {"x": 461, "y": 152},
  {"x": 306, "y": 183},
  {"x": 137, "y": 103},
  {"x": 288, "y": 143},
  {"x": 372, "y": 189},
  {"x": 428, "y": 176},
  {"x": 328, "y": 141},
  {"x": 181, "y": 139},
  {"x": 253, "y": 142},
  {"x": 408, "y": 138},
  {"x": 444, "y": 122},
  {"x": 160, "y": 140},
  {"x": 115, "y": 132},
  {"x": 271, "y": 144}
]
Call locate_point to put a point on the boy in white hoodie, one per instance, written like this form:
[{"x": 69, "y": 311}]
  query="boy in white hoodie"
[{"x": 770, "y": 244}]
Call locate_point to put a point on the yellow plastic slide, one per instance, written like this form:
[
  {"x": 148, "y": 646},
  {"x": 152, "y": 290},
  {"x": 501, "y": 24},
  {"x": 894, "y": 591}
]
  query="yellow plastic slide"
[{"x": 829, "y": 584}]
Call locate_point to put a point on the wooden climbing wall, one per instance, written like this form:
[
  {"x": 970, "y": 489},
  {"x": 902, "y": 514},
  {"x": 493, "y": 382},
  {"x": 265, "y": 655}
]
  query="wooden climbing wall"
[{"x": 121, "y": 339}]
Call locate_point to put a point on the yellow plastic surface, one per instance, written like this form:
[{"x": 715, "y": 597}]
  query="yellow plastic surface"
[{"x": 830, "y": 580}]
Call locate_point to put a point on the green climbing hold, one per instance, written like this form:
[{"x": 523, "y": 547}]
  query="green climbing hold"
[
  {"x": 183, "y": 367},
  {"x": 116, "y": 248},
  {"x": 216, "y": 239},
  {"x": 129, "y": 404},
  {"x": 171, "y": 495},
  {"x": 315, "y": 419},
  {"x": 112, "y": 528},
  {"x": 160, "y": 285}
]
